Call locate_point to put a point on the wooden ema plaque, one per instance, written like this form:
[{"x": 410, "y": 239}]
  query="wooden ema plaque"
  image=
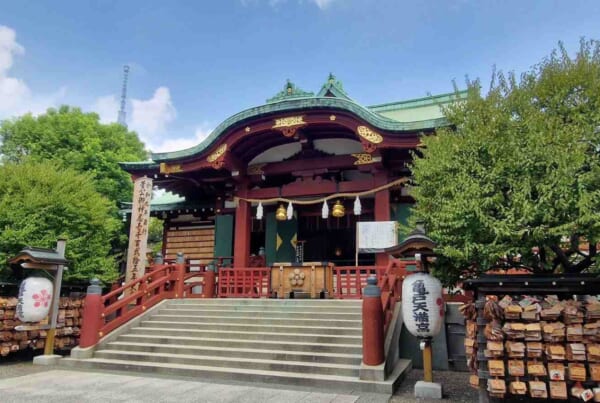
[{"x": 304, "y": 279}]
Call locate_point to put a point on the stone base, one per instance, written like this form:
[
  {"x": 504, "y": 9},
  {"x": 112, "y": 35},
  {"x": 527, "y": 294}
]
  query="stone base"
[
  {"x": 46, "y": 359},
  {"x": 428, "y": 390}
]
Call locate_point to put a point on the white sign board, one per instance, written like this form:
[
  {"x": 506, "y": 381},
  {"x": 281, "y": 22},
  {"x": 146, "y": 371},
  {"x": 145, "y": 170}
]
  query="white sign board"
[{"x": 375, "y": 236}]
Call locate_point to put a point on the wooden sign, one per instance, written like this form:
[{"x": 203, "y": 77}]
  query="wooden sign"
[{"x": 138, "y": 231}]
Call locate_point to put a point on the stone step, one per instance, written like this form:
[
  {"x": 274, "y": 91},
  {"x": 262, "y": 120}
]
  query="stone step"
[
  {"x": 247, "y": 344},
  {"x": 244, "y": 319},
  {"x": 263, "y": 313},
  {"x": 247, "y": 335},
  {"x": 268, "y": 301},
  {"x": 236, "y": 326},
  {"x": 330, "y": 382},
  {"x": 266, "y": 308},
  {"x": 266, "y": 354},
  {"x": 232, "y": 362}
]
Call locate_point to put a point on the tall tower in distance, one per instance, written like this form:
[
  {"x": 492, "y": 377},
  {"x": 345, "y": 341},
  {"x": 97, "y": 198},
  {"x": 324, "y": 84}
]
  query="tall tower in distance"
[{"x": 122, "y": 119}]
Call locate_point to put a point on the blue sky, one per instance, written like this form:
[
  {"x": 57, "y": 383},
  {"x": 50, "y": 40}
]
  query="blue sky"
[{"x": 194, "y": 63}]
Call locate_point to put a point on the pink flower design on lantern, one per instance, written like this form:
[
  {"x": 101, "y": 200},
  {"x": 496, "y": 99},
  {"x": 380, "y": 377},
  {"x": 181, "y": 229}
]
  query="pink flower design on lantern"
[{"x": 43, "y": 298}]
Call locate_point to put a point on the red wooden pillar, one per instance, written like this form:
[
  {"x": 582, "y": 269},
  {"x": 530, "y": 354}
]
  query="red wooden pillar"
[
  {"x": 241, "y": 241},
  {"x": 382, "y": 213},
  {"x": 92, "y": 315},
  {"x": 372, "y": 318}
]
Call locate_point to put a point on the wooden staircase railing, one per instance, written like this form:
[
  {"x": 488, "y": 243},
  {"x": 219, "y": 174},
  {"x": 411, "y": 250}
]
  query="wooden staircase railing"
[{"x": 104, "y": 313}]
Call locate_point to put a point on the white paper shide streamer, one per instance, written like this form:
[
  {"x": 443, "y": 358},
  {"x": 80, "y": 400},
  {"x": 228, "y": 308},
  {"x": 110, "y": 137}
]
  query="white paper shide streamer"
[
  {"x": 422, "y": 305},
  {"x": 35, "y": 299},
  {"x": 357, "y": 206},
  {"x": 325, "y": 210},
  {"x": 290, "y": 211},
  {"x": 259, "y": 211}
]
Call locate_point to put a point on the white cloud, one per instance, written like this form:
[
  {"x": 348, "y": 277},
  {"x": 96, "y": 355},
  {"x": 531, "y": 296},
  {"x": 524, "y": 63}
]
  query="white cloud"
[
  {"x": 15, "y": 96},
  {"x": 323, "y": 4},
  {"x": 181, "y": 143},
  {"x": 150, "y": 117},
  {"x": 107, "y": 107}
]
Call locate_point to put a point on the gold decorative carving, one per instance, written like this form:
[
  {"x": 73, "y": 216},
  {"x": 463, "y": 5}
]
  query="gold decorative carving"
[
  {"x": 256, "y": 169},
  {"x": 289, "y": 121},
  {"x": 297, "y": 278},
  {"x": 363, "y": 159},
  {"x": 369, "y": 135},
  {"x": 332, "y": 117},
  {"x": 219, "y": 152},
  {"x": 170, "y": 168},
  {"x": 247, "y": 129}
]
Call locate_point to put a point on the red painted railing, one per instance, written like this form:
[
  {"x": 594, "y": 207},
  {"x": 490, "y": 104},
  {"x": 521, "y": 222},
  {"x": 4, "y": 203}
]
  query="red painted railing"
[
  {"x": 244, "y": 282},
  {"x": 391, "y": 287},
  {"x": 349, "y": 281},
  {"x": 103, "y": 314},
  {"x": 133, "y": 298}
]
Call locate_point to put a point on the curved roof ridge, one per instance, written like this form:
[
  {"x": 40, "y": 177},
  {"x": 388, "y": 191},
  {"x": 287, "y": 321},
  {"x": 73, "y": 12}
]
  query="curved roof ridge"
[{"x": 375, "y": 119}]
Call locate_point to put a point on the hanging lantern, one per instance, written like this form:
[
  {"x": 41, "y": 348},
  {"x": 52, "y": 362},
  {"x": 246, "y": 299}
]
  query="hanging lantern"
[
  {"x": 259, "y": 211},
  {"x": 357, "y": 206},
  {"x": 325, "y": 210},
  {"x": 290, "y": 211},
  {"x": 35, "y": 299},
  {"x": 280, "y": 214},
  {"x": 338, "y": 210},
  {"x": 422, "y": 305}
]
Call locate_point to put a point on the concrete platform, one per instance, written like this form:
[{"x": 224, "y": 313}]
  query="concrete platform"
[{"x": 62, "y": 386}]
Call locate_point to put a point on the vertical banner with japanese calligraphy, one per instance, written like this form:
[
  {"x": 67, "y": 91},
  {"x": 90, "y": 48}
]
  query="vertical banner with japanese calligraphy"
[{"x": 138, "y": 231}]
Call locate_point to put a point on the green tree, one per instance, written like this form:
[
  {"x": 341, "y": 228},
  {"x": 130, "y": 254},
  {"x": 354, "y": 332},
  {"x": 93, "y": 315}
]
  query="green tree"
[
  {"x": 41, "y": 202},
  {"x": 77, "y": 140},
  {"x": 516, "y": 179}
]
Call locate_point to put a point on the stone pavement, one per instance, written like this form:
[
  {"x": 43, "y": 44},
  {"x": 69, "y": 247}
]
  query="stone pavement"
[{"x": 62, "y": 386}]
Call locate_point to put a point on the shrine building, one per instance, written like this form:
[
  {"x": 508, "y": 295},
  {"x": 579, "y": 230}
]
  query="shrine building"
[{"x": 287, "y": 181}]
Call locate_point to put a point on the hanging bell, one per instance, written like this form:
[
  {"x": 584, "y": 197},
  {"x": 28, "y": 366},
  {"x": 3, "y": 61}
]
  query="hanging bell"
[
  {"x": 338, "y": 210},
  {"x": 280, "y": 214}
]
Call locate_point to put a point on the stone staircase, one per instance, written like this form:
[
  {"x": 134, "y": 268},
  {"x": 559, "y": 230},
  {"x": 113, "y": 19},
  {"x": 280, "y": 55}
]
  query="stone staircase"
[{"x": 314, "y": 343}]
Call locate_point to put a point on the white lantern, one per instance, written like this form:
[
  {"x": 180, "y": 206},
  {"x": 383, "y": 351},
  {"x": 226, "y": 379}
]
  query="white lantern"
[
  {"x": 422, "y": 305},
  {"x": 35, "y": 299}
]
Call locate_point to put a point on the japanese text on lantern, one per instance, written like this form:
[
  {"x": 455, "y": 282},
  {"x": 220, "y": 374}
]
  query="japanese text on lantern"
[
  {"x": 138, "y": 230},
  {"x": 419, "y": 309}
]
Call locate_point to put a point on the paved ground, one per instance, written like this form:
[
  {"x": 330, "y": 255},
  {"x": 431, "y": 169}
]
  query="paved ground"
[{"x": 54, "y": 385}]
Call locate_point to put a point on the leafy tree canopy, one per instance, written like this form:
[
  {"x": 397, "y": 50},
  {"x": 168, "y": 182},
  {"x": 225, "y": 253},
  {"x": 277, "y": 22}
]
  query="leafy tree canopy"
[
  {"x": 77, "y": 140},
  {"x": 516, "y": 179},
  {"x": 41, "y": 202}
]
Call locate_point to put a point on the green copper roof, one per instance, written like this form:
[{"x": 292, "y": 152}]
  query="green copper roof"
[
  {"x": 412, "y": 115},
  {"x": 377, "y": 120},
  {"x": 334, "y": 87},
  {"x": 420, "y": 102},
  {"x": 167, "y": 202},
  {"x": 290, "y": 91}
]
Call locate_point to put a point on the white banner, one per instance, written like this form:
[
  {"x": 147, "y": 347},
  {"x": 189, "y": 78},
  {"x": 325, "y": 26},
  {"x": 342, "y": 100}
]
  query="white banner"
[
  {"x": 138, "y": 232},
  {"x": 375, "y": 236}
]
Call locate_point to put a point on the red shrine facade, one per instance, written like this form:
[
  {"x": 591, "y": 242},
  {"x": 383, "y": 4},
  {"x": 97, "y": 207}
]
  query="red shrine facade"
[{"x": 288, "y": 181}]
